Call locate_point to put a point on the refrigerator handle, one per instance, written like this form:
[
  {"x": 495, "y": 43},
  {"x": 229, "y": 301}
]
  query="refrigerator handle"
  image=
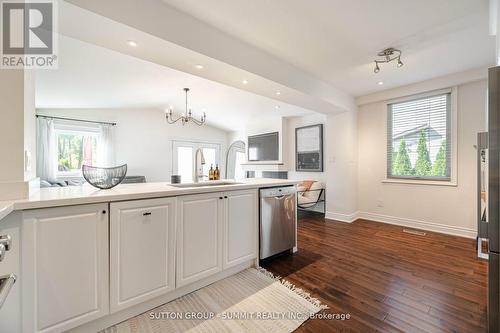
[{"x": 482, "y": 223}]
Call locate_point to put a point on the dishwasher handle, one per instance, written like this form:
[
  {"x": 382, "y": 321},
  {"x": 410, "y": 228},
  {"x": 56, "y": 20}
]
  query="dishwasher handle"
[{"x": 6, "y": 284}]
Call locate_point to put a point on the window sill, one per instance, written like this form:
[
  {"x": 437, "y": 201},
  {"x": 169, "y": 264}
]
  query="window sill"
[{"x": 452, "y": 183}]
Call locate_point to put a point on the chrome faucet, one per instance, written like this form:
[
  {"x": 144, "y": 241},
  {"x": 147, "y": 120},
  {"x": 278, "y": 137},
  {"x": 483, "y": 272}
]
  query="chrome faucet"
[{"x": 198, "y": 169}]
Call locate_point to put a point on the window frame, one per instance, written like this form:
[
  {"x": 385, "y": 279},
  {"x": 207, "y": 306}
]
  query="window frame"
[
  {"x": 61, "y": 126},
  {"x": 195, "y": 144},
  {"x": 452, "y": 181}
]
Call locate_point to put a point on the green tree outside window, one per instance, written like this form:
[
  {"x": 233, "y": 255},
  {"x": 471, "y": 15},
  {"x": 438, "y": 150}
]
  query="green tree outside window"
[
  {"x": 439, "y": 167},
  {"x": 402, "y": 164},
  {"x": 423, "y": 165}
]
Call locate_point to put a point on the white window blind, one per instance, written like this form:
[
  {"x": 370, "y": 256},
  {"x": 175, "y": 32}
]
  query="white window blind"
[{"x": 418, "y": 138}]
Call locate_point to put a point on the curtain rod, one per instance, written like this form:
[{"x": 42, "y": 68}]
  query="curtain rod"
[{"x": 72, "y": 119}]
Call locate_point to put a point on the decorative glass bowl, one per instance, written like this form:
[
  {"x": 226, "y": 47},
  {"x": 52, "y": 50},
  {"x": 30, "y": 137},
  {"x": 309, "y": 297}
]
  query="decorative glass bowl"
[{"x": 104, "y": 178}]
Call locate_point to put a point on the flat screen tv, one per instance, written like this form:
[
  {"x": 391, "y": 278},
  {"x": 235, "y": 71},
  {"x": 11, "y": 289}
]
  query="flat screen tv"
[{"x": 263, "y": 147}]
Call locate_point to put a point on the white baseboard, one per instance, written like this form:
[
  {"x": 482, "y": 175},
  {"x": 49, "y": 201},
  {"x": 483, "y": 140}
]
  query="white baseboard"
[
  {"x": 348, "y": 218},
  {"x": 416, "y": 224}
]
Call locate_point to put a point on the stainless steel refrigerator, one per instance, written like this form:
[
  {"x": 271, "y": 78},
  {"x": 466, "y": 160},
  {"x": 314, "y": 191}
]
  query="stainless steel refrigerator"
[{"x": 489, "y": 198}]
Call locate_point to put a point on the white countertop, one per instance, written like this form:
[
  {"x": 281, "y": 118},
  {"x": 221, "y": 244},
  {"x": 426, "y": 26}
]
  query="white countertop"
[{"x": 86, "y": 194}]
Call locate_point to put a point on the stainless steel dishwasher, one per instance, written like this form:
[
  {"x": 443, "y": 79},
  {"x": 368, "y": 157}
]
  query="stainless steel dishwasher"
[{"x": 278, "y": 220}]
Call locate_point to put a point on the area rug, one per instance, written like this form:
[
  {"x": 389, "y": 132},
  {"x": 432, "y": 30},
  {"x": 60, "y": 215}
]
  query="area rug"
[{"x": 251, "y": 301}]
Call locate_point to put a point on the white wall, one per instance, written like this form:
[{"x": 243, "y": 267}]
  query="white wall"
[
  {"x": 341, "y": 166},
  {"x": 12, "y": 125},
  {"x": 450, "y": 209},
  {"x": 29, "y": 124},
  {"x": 143, "y": 139},
  {"x": 17, "y": 135},
  {"x": 286, "y": 127},
  {"x": 291, "y": 123},
  {"x": 340, "y": 157}
]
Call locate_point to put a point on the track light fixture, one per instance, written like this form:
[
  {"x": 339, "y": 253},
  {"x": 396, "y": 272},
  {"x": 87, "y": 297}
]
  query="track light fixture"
[{"x": 388, "y": 55}]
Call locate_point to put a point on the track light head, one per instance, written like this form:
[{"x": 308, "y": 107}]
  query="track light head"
[
  {"x": 400, "y": 63},
  {"x": 376, "y": 69}
]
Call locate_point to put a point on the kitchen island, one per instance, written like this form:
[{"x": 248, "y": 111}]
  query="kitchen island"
[{"x": 87, "y": 259}]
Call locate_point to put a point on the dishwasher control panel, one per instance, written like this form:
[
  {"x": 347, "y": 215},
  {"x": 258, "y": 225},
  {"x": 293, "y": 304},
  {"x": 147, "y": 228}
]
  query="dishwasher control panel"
[{"x": 277, "y": 191}]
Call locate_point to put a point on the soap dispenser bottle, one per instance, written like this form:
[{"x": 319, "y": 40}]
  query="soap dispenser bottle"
[
  {"x": 217, "y": 172},
  {"x": 211, "y": 173}
]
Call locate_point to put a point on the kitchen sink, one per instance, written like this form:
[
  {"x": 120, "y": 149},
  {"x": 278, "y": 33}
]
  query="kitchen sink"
[{"x": 204, "y": 184}]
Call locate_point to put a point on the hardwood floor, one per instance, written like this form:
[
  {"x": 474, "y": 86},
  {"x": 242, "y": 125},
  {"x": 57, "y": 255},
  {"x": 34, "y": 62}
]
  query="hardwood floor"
[{"x": 387, "y": 280}]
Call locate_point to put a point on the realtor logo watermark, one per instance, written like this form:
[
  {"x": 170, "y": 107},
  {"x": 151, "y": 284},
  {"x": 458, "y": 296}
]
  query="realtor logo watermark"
[{"x": 28, "y": 34}]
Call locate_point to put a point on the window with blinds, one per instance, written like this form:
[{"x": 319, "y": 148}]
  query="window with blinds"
[{"x": 418, "y": 138}]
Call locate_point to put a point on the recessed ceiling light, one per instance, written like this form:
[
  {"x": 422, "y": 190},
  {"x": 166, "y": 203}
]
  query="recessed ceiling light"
[
  {"x": 278, "y": 93},
  {"x": 132, "y": 43},
  {"x": 277, "y": 107},
  {"x": 198, "y": 66},
  {"x": 380, "y": 83},
  {"x": 244, "y": 81}
]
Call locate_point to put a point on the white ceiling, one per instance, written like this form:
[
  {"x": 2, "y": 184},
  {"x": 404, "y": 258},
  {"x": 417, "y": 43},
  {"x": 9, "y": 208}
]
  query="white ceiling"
[
  {"x": 89, "y": 76},
  {"x": 312, "y": 52},
  {"x": 337, "y": 40},
  {"x": 170, "y": 38}
]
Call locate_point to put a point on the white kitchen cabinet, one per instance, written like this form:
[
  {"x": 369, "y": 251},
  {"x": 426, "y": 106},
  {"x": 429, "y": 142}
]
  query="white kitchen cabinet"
[
  {"x": 142, "y": 243},
  {"x": 215, "y": 231},
  {"x": 65, "y": 267},
  {"x": 240, "y": 227},
  {"x": 199, "y": 236},
  {"x": 10, "y": 312}
]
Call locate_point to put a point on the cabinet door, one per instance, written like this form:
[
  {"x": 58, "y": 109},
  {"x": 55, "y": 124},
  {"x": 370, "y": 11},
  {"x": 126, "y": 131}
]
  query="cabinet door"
[
  {"x": 199, "y": 236},
  {"x": 240, "y": 227},
  {"x": 142, "y": 251},
  {"x": 65, "y": 267}
]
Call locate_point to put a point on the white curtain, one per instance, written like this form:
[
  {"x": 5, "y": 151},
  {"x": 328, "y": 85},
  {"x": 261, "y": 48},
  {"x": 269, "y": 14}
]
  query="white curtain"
[
  {"x": 105, "y": 151},
  {"x": 46, "y": 165}
]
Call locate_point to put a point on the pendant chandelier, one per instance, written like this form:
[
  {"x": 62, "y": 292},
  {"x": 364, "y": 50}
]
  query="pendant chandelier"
[{"x": 185, "y": 117}]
